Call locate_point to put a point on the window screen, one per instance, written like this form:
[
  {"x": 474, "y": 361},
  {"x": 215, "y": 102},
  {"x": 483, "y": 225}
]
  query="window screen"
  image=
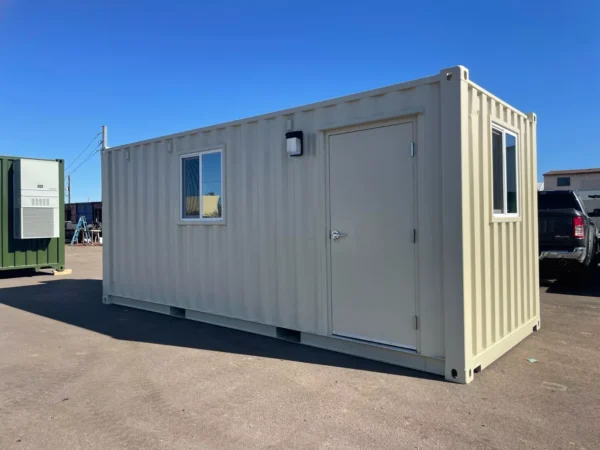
[
  {"x": 211, "y": 185},
  {"x": 498, "y": 171},
  {"x": 191, "y": 187},
  {"x": 505, "y": 172},
  {"x": 202, "y": 186},
  {"x": 511, "y": 173}
]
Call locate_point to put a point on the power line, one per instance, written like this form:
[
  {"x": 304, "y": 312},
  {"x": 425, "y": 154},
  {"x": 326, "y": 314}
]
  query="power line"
[
  {"x": 85, "y": 160},
  {"x": 84, "y": 150}
]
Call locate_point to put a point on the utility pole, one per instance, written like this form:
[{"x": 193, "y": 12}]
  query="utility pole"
[
  {"x": 104, "y": 137},
  {"x": 69, "y": 188}
]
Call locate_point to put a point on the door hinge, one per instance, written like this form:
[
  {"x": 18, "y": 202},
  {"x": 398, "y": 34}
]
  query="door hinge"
[
  {"x": 414, "y": 236},
  {"x": 416, "y": 322},
  {"x": 412, "y": 149}
]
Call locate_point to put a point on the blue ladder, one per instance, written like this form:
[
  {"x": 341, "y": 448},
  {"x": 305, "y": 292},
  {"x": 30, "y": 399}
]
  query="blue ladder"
[{"x": 81, "y": 226}]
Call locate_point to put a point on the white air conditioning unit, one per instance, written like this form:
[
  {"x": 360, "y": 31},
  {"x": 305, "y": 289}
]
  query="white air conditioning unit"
[{"x": 36, "y": 199}]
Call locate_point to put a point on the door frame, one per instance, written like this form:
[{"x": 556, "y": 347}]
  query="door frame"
[{"x": 368, "y": 125}]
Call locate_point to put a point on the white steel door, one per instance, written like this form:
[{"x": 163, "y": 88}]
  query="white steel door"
[{"x": 372, "y": 232}]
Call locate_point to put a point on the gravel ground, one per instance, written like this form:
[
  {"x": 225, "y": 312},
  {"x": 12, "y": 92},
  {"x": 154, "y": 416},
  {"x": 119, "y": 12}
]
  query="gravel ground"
[{"x": 75, "y": 374}]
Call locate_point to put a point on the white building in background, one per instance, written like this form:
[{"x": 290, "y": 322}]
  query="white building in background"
[
  {"x": 585, "y": 181},
  {"x": 577, "y": 179}
]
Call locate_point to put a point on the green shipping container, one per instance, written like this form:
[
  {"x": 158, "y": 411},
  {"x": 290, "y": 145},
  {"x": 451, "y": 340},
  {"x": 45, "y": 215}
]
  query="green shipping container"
[{"x": 28, "y": 253}]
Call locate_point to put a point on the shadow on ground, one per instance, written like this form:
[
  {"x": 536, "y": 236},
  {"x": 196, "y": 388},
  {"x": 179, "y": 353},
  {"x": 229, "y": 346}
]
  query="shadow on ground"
[
  {"x": 572, "y": 287},
  {"x": 587, "y": 285},
  {"x": 79, "y": 303},
  {"x": 20, "y": 273}
]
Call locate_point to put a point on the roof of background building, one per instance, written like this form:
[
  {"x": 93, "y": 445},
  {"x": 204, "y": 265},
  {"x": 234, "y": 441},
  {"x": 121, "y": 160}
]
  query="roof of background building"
[{"x": 572, "y": 172}]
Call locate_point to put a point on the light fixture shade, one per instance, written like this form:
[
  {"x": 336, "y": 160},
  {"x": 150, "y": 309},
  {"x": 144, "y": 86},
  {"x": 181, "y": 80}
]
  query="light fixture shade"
[{"x": 293, "y": 140}]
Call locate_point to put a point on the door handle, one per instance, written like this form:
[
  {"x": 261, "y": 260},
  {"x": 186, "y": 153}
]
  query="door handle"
[{"x": 335, "y": 235}]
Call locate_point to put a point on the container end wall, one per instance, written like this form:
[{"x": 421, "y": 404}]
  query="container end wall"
[{"x": 499, "y": 204}]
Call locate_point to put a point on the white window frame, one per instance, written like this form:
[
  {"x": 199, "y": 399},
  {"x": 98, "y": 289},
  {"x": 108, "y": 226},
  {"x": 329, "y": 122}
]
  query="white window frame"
[
  {"x": 200, "y": 219},
  {"x": 504, "y": 131}
]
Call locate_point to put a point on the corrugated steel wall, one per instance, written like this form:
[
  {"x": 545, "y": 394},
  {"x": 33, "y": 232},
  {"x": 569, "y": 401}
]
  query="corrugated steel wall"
[
  {"x": 501, "y": 281},
  {"x": 260, "y": 266},
  {"x": 267, "y": 264}
]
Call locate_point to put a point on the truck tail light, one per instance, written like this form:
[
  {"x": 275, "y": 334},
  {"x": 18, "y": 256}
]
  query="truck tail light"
[{"x": 578, "y": 231}]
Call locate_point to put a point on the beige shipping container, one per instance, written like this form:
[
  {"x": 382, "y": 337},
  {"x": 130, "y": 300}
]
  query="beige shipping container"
[{"x": 405, "y": 232}]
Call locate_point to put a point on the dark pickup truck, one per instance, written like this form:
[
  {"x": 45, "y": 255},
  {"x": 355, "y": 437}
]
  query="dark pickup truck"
[{"x": 569, "y": 240}]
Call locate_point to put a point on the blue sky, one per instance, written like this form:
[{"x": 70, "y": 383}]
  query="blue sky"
[{"x": 147, "y": 68}]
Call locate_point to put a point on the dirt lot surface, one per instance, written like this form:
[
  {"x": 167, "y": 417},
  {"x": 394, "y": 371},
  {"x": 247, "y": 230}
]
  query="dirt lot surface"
[{"x": 75, "y": 374}]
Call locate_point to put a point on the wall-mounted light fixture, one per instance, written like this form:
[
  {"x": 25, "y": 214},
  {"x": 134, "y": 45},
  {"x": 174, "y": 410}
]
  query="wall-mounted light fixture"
[{"x": 293, "y": 140}]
